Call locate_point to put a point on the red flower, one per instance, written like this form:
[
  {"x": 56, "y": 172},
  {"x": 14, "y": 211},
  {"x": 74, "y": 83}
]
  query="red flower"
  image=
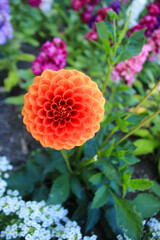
[{"x": 63, "y": 109}]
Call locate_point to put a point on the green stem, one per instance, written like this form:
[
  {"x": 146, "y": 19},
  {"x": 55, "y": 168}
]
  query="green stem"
[
  {"x": 107, "y": 78},
  {"x": 66, "y": 161},
  {"x": 136, "y": 128},
  {"x": 146, "y": 97},
  {"x": 79, "y": 153},
  {"x": 86, "y": 164},
  {"x": 129, "y": 114}
]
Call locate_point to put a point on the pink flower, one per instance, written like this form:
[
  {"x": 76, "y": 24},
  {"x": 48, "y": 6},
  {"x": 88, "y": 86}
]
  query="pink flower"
[
  {"x": 34, "y": 3},
  {"x": 128, "y": 68},
  {"x": 148, "y": 22},
  {"x": 92, "y": 35},
  {"x": 52, "y": 56},
  {"x": 154, "y": 42},
  {"x": 153, "y": 9},
  {"x": 101, "y": 13}
]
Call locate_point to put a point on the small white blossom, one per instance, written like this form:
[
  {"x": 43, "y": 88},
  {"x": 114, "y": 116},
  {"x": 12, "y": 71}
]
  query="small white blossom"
[{"x": 34, "y": 220}]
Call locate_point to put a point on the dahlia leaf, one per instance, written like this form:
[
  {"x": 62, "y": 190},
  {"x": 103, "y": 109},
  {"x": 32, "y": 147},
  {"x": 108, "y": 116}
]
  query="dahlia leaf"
[
  {"x": 100, "y": 198},
  {"x": 147, "y": 204},
  {"x": 140, "y": 184},
  {"x": 128, "y": 219},
  {"x": 59, "y": 191},
  {"x": 93, "y": 217}
]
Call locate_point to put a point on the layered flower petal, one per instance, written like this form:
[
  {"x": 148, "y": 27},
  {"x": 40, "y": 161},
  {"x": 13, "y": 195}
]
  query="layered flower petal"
[{"x": 63, "y": 109}]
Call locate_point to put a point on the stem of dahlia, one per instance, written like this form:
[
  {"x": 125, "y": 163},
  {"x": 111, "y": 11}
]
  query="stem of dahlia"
[
  {"x": 129, "y": 114},
  {"x": 86, "y": 164},
  {"x": 107, "y": 78},
  {"x": 66, "y": 160},
  {"x": 136, "y": 128}
]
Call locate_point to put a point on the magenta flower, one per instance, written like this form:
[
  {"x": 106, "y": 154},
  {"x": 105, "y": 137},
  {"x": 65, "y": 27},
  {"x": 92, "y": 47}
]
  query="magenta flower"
[
  {"x": 52, "y": 56},
  {"x": 128, "y": 68},
  {"x": 34, "y": 3}
]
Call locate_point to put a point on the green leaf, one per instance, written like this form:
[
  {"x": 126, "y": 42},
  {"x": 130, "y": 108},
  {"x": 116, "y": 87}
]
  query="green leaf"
[
  {"x": 121, "y": 124},
  {"x": 102, "y": 30},
  {"x": 17, "y": 100},
  {"x": 125, "y": 181},
  {"x": 156, "y": 188},
  {"x": 131, "y": 159},
  {"x": 145, "y": 146},
  {"x": 96, "y": 178},
  {"x": 140, "y": 184},
  {"x": 147, "y": 204},
  {"x": 128, "y": 219},
  {"x": 90, "y": 148},
  {"x": 109, "y": 170},
  {"x": 26, "y": 57},
  {"x": 133, "y": 45},
  {"x": 76, "y": 187},
  {"x": 144, "y": 133},
  {"x": 40, "y": 193},
  {"x": 22, "y": 182},
  {"x": 107, "y": 152},
  {"x": 59, "y": 191},
  {"x": 56, "y": 163},
  {"x": 11, "y": 81},
  {"x": 100, "y": 198},
  {"x": 93, "y": 217}
]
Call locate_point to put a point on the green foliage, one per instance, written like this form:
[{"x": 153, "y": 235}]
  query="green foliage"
[
  {"x": 147, "y": 204},
  {"x": 59, "y": 191},
  {"x": 100, "y": 198},
  {"x": 15, "y": 100},
  {"x": 11, "y": 81},
  {"x": 128, "y": 219},
  {"x": 133, "y": 46},
  {"x": 92, "y": 217},
  {"x": 145, "y": 146}
]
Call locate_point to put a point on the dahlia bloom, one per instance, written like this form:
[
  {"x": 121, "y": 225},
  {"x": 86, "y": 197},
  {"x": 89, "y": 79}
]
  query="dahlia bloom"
[
  {"x": 63, "y": 109},
  {"x": 52, "y": 56},
  {"x": 6, "y": 30},
  {"x": 128, "y": 68}
]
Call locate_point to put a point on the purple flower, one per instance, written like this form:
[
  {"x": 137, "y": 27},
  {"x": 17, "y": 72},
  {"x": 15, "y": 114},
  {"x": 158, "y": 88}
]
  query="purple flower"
[
  {"x": 116, "y": 6},
  {"x": 6, "y": 30}
]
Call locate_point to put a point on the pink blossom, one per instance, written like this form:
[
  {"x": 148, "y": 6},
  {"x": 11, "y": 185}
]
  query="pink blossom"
[
  {"x": 128, "y": 68},
  {"x": 52, "y": 56},
  {"x": 34, "y": 3},
  {"x": 153, "y": 9},
  {"x": 148, "y": 22},
  {"x": 101, "y": 13},
  {"x": 92, "y": 35},
  {"x": 154, "y": 42}
]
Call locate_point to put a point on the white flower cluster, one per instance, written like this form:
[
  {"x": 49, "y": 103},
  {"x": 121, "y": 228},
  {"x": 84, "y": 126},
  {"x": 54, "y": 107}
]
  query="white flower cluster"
[
  {"x": 46, "y": 5},
  {"x": 33, "y": 220},
  {"x": 153, "y": 232},
  {"x": 136, "y": 8},
  {"x": 154, "y": 228}
]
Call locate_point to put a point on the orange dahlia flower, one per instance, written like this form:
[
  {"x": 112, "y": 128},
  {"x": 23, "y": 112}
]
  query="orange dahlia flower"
[{"x": 63, "y": 109}]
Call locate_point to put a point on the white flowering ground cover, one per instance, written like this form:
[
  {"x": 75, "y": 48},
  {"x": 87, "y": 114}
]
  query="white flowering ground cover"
[{"x": 32, "y": 220}]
